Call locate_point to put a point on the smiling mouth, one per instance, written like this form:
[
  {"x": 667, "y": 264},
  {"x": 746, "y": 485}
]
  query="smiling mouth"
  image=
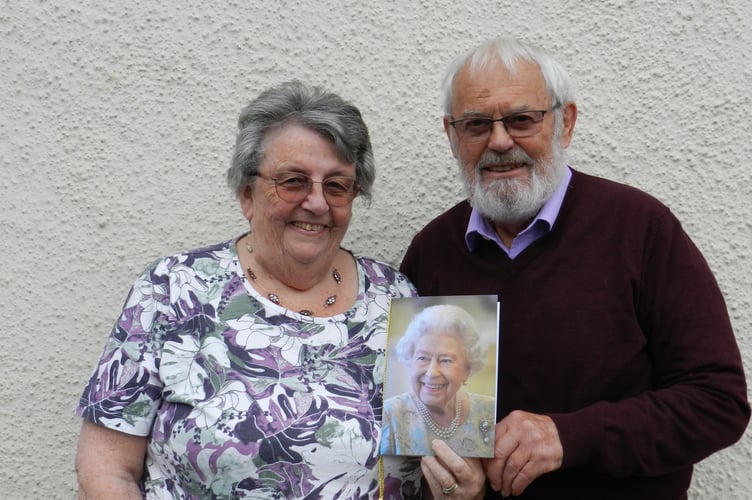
[
  {"x": 504, "y": 168},
  {"x": 308, "y": 227},
  {"x": 434, "y": 387}
]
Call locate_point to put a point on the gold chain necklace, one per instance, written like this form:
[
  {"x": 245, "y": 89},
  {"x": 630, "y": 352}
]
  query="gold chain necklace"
[{"x": 273, "y": 297}]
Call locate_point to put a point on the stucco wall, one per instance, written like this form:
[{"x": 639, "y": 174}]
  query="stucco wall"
[{"x": 117, "y": 121}]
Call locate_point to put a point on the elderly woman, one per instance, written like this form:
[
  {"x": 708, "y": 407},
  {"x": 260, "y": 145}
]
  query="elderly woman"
[
  {"x": 441, "y": 349},
  {"x": 252, "y": 368}
]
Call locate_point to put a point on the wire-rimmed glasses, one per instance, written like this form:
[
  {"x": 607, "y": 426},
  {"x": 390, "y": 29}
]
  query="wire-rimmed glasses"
[
  {"x": 518, "y": 125},
  {"x": 338, "y": 190}
]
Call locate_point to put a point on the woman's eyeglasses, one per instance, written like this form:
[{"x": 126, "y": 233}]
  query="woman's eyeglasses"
[
  {"x": 295, "y": 186},
  {"x": 517, "y": 125}
]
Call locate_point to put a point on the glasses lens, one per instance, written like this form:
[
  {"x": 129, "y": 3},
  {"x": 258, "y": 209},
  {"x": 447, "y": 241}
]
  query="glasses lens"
[
  {"x": 524, "y": 124},
  {"x": 338, "y": 191},
  {"x": 292, "y": 187},
  {"x": 473, "y": 129}
]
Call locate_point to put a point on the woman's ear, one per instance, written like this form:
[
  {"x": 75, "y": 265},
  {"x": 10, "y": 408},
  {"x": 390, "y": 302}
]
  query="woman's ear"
[{"x": 246, "y": 201}]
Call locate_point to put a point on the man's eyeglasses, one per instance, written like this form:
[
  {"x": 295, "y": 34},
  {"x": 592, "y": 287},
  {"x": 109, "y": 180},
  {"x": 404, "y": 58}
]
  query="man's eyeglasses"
[
  {"x": 295, "y": 186},
  {"x": 517, "y": 125}
]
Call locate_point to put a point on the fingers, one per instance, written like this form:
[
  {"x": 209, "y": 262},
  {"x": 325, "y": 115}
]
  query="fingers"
[
  {"x": 494, "y": 468},
  {"x": 519, "y": 472},
  {"x": 434, "y": 478},
  {"x": 448, "y": 469},
  {"x": 526, "y": 447}
]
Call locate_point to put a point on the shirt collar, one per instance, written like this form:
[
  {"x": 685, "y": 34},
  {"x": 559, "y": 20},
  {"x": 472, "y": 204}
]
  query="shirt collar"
[{"x": 480, "y": 227}]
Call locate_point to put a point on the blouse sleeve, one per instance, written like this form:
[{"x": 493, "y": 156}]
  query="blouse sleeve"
[{"x": 125, "y": 390}]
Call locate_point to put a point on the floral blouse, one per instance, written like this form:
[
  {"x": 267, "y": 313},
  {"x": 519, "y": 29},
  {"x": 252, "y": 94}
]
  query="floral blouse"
[{"x": 241, "y": 398}]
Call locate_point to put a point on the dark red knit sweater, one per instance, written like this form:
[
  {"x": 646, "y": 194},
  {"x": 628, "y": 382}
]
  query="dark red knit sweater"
[{"x": 614, "y": 326}]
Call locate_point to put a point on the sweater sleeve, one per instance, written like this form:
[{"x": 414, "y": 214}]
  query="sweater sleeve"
[{"x": 698, "y": 401}]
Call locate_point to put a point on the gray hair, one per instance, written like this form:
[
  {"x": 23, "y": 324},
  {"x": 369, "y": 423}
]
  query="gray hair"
[
  {"x": 448, "y": 319},
  {"x": 314, "y": 108},
  {"x": 509, "y": 53}
]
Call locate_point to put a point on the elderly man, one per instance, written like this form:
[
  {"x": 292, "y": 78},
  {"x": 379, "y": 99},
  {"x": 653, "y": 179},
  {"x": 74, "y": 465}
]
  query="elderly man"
[{"x": 618, "y": 365}]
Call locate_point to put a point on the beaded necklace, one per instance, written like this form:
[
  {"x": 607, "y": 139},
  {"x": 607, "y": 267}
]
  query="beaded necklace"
[
  {"x": 275, "y": 298},
  {"x": 442, "y": 432}
]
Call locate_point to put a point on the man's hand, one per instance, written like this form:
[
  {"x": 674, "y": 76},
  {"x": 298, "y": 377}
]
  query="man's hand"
[{"x": 526, "y": 447}]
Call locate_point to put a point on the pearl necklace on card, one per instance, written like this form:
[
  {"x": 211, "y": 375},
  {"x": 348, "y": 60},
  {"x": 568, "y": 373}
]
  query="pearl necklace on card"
[{"x": 442, "y": 432}]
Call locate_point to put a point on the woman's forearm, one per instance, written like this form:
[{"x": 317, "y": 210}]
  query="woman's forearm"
[
  {"x": 109, "y": 463},
  {"x": 106, "y": 488}
]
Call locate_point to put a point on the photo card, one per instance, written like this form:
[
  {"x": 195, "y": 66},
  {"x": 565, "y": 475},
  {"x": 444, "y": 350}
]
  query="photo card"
[{"x": 441, "y": 375}]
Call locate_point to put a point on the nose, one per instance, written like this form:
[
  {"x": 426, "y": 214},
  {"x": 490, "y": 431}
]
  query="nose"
[
  {"x": 433, "y": 367},
  {"x": 315, "y": 200},
  {"x": 500, "y": 140}
]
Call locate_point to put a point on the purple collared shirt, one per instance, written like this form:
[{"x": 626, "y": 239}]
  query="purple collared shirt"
[{"x": 480, "y": 227}]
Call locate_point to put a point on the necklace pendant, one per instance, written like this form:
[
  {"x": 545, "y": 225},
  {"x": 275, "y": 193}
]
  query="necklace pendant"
[
  {"x": 306, "y": 312},
  {"x": 331, "y": 300},
  {"x": 251, "y": 274},
  {"x": 337, "y": 277},
  {"x": 274, "y": 297}
]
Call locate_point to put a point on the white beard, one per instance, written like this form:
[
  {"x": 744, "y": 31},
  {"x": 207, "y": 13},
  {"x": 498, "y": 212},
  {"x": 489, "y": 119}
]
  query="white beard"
[{"x": 515, "y": 201}]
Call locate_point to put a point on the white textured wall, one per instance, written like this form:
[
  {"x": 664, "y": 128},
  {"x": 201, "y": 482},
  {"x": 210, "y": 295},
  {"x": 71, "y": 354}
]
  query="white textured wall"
[{"x": 117, "y": 121}]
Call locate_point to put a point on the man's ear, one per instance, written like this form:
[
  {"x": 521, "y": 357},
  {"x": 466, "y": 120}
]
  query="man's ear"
[
  {"x": 570, "y": 117},
  {"x": 452, "y": 141}
]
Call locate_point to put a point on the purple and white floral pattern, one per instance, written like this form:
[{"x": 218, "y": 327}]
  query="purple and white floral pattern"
[{"x": 241, "y": 398}]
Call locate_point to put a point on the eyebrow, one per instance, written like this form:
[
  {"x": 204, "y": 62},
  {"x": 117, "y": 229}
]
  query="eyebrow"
[
  {"x": 482, "y": 114},
  {"x": 336, "y": 171},
  {"x": 432, "y": 353}
]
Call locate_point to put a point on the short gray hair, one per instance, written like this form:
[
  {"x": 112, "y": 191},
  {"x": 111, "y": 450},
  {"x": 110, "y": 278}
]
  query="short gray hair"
[
  {"x": 449, "y": 319},
  {"x": 314, "y": 108},
  {"x": 509, "y": 53}
]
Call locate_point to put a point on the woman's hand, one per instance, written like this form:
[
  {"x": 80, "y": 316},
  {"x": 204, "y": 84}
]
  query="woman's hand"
[
  {"x": 449, "y": 475},
  {"x": 109, "y": 463}
]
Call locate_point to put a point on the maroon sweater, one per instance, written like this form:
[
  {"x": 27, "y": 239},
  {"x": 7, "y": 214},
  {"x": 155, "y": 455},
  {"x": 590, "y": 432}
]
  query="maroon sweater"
[{"x": 613, "y": 325}]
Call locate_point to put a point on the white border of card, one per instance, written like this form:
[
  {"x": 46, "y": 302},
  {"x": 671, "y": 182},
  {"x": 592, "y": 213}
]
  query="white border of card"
[{"x": 408, "y": 427}]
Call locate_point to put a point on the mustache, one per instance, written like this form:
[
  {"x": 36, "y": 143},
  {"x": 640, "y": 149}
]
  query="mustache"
[{"x": 517, "y": 155}]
